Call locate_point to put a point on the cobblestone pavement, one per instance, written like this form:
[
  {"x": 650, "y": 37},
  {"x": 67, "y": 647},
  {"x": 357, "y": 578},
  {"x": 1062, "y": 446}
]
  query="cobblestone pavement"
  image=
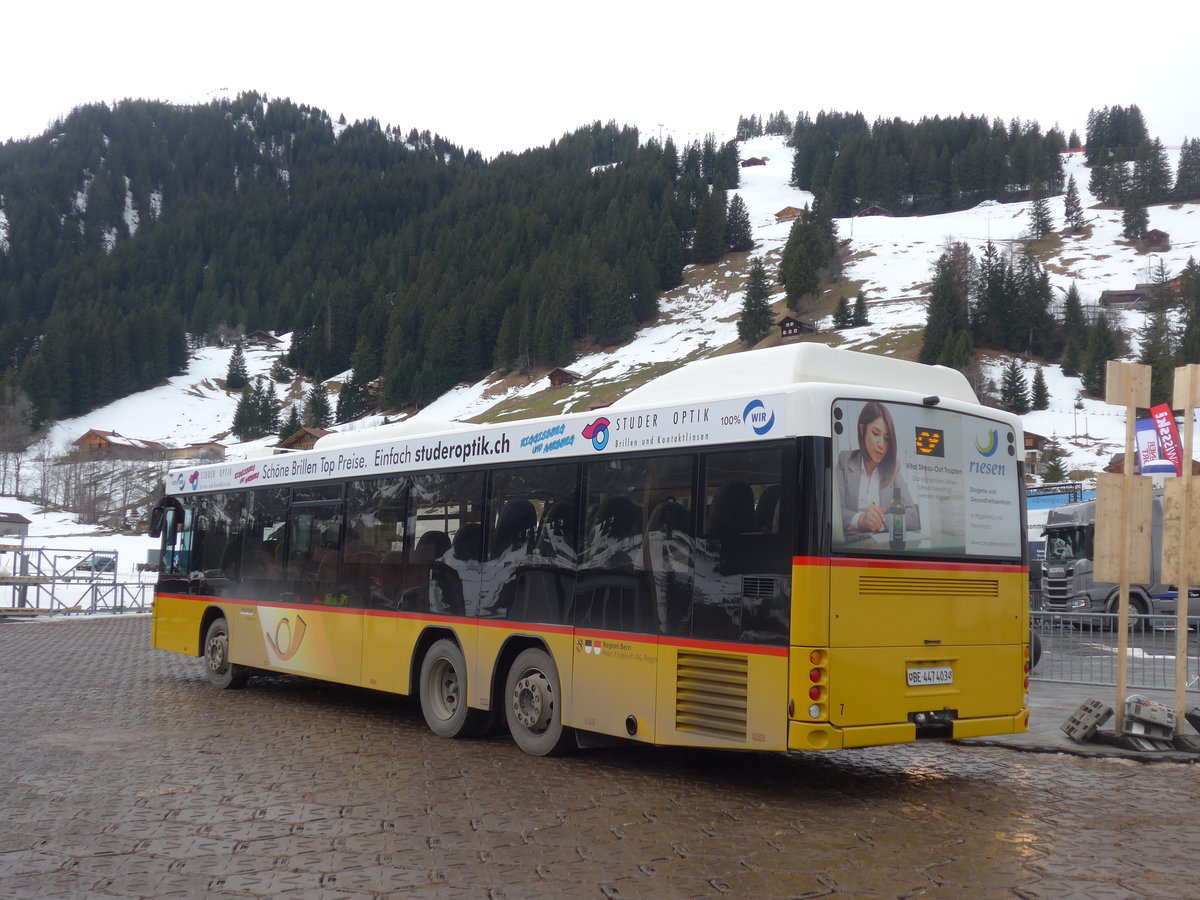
[{"x": 126, "y": 775}]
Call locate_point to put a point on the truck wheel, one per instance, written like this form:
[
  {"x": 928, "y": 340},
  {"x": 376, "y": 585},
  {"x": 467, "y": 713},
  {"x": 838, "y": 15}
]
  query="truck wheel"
[{"x": 1137, "y": 612}]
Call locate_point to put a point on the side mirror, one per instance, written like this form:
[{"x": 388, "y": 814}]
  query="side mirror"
[{"x": 157, "y": 515}]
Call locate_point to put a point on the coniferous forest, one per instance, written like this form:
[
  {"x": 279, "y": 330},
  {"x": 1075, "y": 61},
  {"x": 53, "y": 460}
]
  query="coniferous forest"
[
  {"x": 127, "y": 231},
  {"x": 133, "y": 227}
]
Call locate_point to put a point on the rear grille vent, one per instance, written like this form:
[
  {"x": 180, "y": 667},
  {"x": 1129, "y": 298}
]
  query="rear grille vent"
[
  {"x": 711, "y": 694},
  {"x": 927, "y": 587}
]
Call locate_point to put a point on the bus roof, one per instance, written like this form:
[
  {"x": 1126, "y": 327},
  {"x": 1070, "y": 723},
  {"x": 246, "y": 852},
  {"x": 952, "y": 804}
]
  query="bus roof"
[
  {"x": 734, "y": 398},
  {"x": 776, "y": 368}
]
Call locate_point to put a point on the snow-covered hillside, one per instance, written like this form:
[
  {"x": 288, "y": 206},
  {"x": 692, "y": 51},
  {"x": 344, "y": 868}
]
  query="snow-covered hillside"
[{"x": 892, "y": 257}]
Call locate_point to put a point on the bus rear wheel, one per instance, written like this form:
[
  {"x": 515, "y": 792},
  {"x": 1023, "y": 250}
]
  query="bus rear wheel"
[
  {"x": 444, "y": 693},
  {"x": 221, "y": 672},
  {"x": 533, "y": 705}
]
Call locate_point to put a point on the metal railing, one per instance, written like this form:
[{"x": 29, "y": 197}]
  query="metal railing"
[
  {"x": 1082, "y": 648},
  {"x": 40, "y": 581}
]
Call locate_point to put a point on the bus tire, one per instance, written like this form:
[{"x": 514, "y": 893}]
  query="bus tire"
[
  {"x": 221, "y": 672},
  {"x": 444, "y": 693},
  {"x": 533, "y": 705}
]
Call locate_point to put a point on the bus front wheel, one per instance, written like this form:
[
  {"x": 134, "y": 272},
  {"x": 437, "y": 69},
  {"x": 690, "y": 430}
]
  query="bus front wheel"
[
  {"x": 221, "y": 672},
  {"x": 533, "y": 705},
  {"x": 444, "y": 693}
]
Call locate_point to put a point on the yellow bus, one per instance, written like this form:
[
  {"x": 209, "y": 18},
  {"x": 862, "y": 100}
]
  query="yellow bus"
[{"x": 797, "y": 548}]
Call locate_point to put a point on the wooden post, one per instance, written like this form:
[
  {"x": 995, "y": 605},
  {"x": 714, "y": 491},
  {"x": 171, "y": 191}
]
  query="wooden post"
[
  {"x": 1183, "y": 510},
  {"x": 1123, "y": 513}
]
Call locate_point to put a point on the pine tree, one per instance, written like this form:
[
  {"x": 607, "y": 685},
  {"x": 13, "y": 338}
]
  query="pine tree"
[
  {"x": 352, "y": 399},
  {"x": 244, "y": 426},
  {"x": 1040, "y": 221},
  {"x": 993, "y": 299},
  {"x": 280, "y": 373},
  {"x": 612, "y": 313},
  {"x": 1158, "y": 352},
  {"x": 1135, "y": 220},
  {"x": 755, "y": 323},
  {"x": 1072, "y": 208},
  {"x": 669, "y": 255},
  {"x": 236, "y": 376},
  {"x": 843, "y": 316},
  {"x": 265, "y": 408},
  {"x": 739, "y": 236},
  {"x": 1187, "y": 175},
  {"x": 947, "y": 323},
  {"x": 1101, "y": 347},
  {"x": 1075, "y": 331},
  {"x": 860, "y": 311},
  {"x": 317, "y": 413},
  {"x": 1039, "y": 393},
  {"x": 1152, "y": 172},
  {"x": 1014, "y": 389},
  {"x": 798, "y": 276},
  {"x": 1053, "y": 468},
  {"x": 1189, "y": 343},
  {"x": 291, "y": 423},
  {"x": 708, "y": 245}
]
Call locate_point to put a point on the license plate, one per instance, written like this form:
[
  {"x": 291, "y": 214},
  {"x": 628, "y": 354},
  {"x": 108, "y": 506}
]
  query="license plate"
[{"x": 930, "y": 675}]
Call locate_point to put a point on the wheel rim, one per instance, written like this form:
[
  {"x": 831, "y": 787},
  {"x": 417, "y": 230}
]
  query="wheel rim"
[
  {"x": 533, "y": 701},
  {"x": 444, "y": 696},
  {"x": 217, "y": 652}
]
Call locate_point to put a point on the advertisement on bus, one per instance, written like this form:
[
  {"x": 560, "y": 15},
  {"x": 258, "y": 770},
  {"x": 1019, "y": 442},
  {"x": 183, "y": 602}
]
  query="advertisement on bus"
[{"x": 918, "y": 480}]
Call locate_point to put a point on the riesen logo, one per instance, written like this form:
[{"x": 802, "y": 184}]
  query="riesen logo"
[{"x": 990, "y": 444}]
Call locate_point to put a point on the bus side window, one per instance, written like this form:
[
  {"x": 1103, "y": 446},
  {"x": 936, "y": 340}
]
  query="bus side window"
[
  {"x": 743, "y": 589},
  {"x": 530, "y": 572}
]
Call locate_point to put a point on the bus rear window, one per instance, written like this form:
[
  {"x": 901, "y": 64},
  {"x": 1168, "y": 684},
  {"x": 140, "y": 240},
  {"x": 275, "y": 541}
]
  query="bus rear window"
[{"x": 918, "y": 480}]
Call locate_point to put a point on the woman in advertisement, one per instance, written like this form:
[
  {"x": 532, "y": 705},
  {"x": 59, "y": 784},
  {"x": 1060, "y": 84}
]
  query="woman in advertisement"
[{"x": 868, "y": 479}]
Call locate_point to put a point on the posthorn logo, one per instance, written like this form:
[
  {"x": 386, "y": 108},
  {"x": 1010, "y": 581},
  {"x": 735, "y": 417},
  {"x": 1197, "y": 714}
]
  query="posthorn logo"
[
  {"x": 758, "y": 417},
  {"x": 597, "y": 433},
  {"x": 989, "y": 444}
]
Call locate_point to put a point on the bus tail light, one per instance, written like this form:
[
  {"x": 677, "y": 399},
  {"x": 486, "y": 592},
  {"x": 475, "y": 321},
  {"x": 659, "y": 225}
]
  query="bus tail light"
[{"x": 818, "y": 693}]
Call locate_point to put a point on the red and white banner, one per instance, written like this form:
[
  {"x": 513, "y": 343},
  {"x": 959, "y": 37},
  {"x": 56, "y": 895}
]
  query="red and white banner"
[{"x": 1169, "y": 445}]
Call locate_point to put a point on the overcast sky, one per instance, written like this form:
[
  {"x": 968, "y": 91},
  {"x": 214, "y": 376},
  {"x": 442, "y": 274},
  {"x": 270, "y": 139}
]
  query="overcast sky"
[{"x": 495, "y": 76}]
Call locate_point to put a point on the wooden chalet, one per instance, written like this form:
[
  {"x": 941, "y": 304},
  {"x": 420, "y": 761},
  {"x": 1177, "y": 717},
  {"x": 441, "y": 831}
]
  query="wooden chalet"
[
  {"x": 1116, "y": 465},
  {"x": 1134, "y": 299},
  {"x": 14, "y": 525},
  {"x": 874, "y": 210},
  {"x": 304, "y": 439},
  {"x": 1156, "y": 241},
  {"x": 788, "y": 214},
  {"x": 559, "y": 377},
  {"x": 790, "y": 327},
  {"x": 207, "y": 450},
  {"x": 754, "y": 161},
  {"x": 97, "y": 444},
  {"x": 261, "y": 339},
  {"x": 1035, "y": 452}
]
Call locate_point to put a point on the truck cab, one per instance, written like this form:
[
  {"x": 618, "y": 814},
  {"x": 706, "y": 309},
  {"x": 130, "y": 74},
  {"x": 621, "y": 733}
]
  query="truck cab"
[{"x": 1068, "y": 581}]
